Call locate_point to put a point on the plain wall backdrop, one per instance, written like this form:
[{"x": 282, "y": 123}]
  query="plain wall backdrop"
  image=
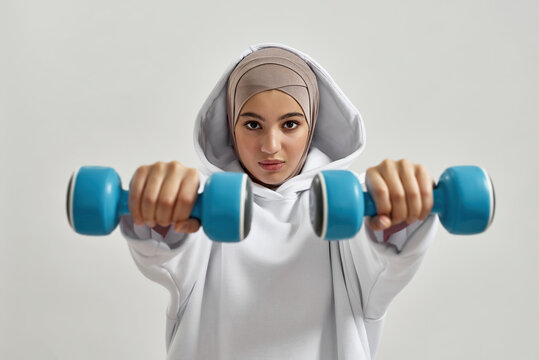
[{"x": 119, "y": 83}]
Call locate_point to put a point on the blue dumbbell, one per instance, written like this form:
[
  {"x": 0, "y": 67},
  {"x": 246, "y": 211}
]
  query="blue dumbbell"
[
  {"x": 96, "y": 200},
  {"x": 463, "y": 199}
]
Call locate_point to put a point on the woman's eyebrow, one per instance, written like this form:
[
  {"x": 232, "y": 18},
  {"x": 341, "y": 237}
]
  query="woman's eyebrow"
[
  {"x": 285, "y": 116},
  {"x": 292, "y": 114}
]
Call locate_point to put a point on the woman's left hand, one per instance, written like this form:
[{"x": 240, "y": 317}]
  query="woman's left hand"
[{"x": 401, "y": 191}]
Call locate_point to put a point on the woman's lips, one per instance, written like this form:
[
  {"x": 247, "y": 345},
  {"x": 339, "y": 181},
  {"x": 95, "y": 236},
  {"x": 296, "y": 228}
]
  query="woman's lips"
[{"x": 271, "y": 165}]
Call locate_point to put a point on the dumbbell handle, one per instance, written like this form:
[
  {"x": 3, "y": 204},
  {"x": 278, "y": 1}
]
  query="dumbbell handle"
[
  {"x": 123, "y": 205},
  {"x": 370, "y": 207}
]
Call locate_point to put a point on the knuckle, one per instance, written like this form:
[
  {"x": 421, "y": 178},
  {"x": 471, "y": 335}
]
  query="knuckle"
[
  {"x": 405, "y": 166},
  {"x": 141, "y": 170},
  {"x": 175, "y": 166},
  {"x": 185, "y": 200},
  {"x": 414, "y": 196},
  {"x": 398, "y": 196},
  {"x": 190, "y": 175},
  {"x": 148, "y": 200},
  {"x": 421, "y": 169},
  {"x": 159, "y": 166},
  {"x": 425, "y": 194},
  {"x": 166, "y": 202},
  {"x": 387, "y": 163},
  {"x": 380, "y": 192},
  {"x": 370, "y": 173},
  {"x": 403, "y": 162},
  {"x": 192, "y": 172}
]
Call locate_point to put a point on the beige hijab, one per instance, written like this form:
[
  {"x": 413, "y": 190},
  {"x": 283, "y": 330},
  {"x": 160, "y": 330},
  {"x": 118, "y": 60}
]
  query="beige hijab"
[{"x": 273, "y": 68}]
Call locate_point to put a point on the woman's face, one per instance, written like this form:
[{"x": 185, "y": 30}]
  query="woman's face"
[{"x": 271, "y": 134}]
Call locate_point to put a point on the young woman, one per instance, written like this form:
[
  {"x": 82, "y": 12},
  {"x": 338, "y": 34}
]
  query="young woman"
[{"x": 277, "y": 115}]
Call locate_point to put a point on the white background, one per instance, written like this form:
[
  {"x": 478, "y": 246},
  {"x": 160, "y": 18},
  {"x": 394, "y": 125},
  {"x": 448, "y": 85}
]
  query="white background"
[{"x": 119, "y": 83}]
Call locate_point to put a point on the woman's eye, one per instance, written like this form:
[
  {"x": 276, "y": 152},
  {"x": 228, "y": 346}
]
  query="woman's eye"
[
  {"x": 252, "y": 125},
  {"x": 291, "y": 124}
]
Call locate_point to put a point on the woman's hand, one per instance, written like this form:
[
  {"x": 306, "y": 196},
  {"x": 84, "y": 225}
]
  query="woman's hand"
[
  {"x": 163, "y": 194},
  {"x": 401, "y": 191}
]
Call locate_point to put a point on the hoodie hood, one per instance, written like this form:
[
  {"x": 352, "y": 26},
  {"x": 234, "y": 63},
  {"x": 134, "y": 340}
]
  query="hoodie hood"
[{"x": 339, "y": 135}]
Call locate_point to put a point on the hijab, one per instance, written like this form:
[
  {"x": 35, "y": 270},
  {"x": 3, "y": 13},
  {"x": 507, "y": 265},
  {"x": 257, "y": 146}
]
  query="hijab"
[{"x": 273, "y": 68}]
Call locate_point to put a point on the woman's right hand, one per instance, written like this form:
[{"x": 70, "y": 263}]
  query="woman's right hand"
[{"x": 164, "y": 194}]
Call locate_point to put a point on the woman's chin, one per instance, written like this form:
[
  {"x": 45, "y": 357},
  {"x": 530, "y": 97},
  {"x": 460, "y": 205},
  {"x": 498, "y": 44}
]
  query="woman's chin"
[{"x": 272, "y": 181}]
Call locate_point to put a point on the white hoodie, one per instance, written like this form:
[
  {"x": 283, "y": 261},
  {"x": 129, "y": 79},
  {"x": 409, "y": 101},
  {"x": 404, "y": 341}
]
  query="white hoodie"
[{"x": 282, "y": 293}]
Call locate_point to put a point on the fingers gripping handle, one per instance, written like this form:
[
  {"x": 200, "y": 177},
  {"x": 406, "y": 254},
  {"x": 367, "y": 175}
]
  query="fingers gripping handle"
[
  {"x": 123, "y": 205},
  {"x": 370, "y": 207}
]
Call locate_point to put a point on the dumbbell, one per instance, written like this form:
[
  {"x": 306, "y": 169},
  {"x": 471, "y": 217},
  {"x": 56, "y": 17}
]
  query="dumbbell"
[
  {"x": 463, "y": 199},
  {"x": 96, "y": 200}
]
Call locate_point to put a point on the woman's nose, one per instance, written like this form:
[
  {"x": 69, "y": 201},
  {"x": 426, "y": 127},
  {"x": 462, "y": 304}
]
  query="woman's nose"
[{"x": 271, "y": 142}]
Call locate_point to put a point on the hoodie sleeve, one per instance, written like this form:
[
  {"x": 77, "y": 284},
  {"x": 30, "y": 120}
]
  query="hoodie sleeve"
[
  {"x": 384, "y": 268},
  {"x": 174, "y": 261},
  {"x": 379, "y": 264}
]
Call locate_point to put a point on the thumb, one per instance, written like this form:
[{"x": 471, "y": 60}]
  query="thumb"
[
  {"x": 187, "y": 226},
  {"x": 379, "y": 222}
]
